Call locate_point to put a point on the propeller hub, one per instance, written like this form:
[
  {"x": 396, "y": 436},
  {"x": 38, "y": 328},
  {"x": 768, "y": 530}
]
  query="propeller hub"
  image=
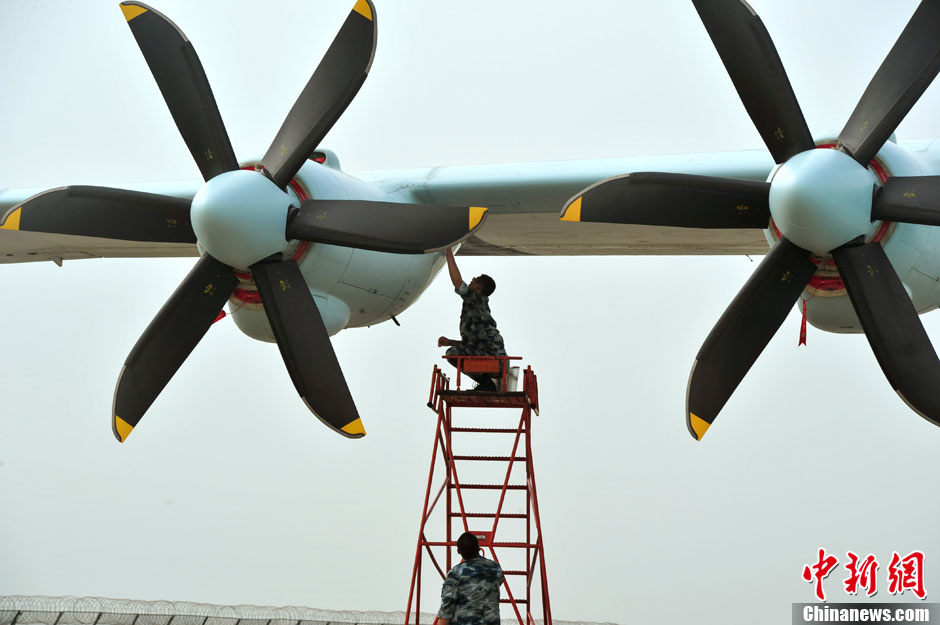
[
  {"x": 821, "y": 199},
  {"x": 240, "y": 217}
]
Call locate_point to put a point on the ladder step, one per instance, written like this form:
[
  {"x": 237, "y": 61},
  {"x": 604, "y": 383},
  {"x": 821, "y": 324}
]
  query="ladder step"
[
  {"x": 492, "y": 458},
  {"x": 515, "y": 573},
  {"x": 487, "y": 430},
  {"x": 519, "y": 545},
  {"x": 489, "y": 486},
  {"x": 511, "y": 601},
  {"x": 490, "y": 515}
]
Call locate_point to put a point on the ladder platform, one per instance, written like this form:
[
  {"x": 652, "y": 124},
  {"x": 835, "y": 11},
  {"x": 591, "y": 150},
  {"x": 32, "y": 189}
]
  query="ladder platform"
[{"x": 484, "y": 399}]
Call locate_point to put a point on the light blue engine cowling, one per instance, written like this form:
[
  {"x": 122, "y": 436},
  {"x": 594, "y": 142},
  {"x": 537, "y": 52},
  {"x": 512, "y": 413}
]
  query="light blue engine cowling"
[
  {"x": 821, "y": 199},
  {"x": 351, "y": 287}
]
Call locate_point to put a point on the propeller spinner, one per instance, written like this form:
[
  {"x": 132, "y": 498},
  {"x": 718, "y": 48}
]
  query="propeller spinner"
[{"x": 821, "y": 201}]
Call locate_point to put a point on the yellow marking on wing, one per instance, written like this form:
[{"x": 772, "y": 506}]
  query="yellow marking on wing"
[
  {"x": 476, "y": 216},
  {"x": 362, "y": 8},
  {"x": 354, "y": 428},
  {"x": 12, "y": 221},
  {"x": 122, "y": 427},
  {"x": 573, "y": 212},
  {"x": 699, "y": 426},
  {"x": 131, "y": 11}
]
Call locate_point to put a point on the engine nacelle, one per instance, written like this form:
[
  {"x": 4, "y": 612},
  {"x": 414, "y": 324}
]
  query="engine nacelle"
[
  {"x": 351, "y": 287},
  {"x": 914, "y": 252}
]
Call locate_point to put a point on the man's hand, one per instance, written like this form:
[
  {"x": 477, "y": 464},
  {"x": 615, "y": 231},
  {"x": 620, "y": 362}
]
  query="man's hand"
[{"x": 446, "y": 342}]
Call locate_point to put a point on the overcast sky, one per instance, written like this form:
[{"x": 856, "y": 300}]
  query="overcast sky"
[{"x": 230, "y": 492}]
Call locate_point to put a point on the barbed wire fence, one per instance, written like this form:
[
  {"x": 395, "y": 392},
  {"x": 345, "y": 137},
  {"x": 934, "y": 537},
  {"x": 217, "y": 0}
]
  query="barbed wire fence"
[{"x": 39, "y": 610}]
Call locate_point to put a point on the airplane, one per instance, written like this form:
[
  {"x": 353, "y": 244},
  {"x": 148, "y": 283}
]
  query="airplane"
[{"x": 355, "y": 271}]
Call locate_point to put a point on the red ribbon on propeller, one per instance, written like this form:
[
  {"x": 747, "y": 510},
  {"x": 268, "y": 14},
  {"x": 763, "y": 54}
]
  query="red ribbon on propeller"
[{"x": 803, "y": 325}]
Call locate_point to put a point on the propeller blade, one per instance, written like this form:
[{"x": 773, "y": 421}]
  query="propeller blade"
[
  {"x": 894, "y": 332},
  {"x": 183, "y": 83},
  {"x": 751, "y": 59},
  {"x": 384, "y": 226},
  {"x": 168, "y": 340},
  {"x": 905, "y": 74},
  {"x": 305, "y": 346},
  {"x": 743, "y": 331},
  {"x": 329, "y": 91},
  {"x": 909, "y": 199},
  {"x": 680, "y": 200},
  {"x": 104, "y": 213}
]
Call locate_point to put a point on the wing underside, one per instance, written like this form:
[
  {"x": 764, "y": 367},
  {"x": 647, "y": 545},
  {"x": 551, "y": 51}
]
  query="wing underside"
[{"x": 25, "y": 247}]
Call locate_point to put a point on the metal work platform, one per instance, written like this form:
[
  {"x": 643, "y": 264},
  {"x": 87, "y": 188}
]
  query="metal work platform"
[{"x": 493, "y": 494}]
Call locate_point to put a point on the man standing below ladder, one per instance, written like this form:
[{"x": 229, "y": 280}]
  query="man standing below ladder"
[{"x": 470, "y": 595}]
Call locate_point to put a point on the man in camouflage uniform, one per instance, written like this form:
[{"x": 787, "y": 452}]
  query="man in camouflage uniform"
[
  {"x": 478, "y": 333},
  {"x": 470, "y": 595}
]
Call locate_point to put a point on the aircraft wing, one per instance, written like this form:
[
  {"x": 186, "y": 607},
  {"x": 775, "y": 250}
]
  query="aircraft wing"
[
  {"x": 21, "y": 247},
  {"x": 524, "y": 201}
]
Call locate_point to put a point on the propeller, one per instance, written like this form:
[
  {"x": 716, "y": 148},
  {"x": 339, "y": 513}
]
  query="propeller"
[
  {"x": 245, "y": 221},
  {"x": 821, "y": 201}
]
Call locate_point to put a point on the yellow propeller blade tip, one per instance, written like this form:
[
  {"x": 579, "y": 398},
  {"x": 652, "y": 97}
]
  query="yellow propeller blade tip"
[
  {"x": 354, "y": 428},
  {"x": 476, "y": 216},
  {"x": 364, "y": 9},
  {"x": 698, "y": 425},
  {"x": 12, "y": 222},
  {"x": 122, "y": 428},
  {"x": 131, "y": 11},
  {"x": 573, "y": 212}
]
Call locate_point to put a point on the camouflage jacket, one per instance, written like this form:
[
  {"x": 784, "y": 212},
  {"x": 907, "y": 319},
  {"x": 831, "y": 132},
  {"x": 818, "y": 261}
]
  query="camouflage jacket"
[
  {"x": 470, "y": 595},
  {"x": 478, "y": 333}
]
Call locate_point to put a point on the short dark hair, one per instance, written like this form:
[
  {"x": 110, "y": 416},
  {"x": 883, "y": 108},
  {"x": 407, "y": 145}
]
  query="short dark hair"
[
  {"x": 468, "y": 546},
  {"x": 487, "y": 283}
]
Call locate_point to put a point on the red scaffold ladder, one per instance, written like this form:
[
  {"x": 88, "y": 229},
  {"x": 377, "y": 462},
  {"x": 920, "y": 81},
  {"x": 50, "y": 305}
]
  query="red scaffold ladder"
[{"x": 503, "y": 511}]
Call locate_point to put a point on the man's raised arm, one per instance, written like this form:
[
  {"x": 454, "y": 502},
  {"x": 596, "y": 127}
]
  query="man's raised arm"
[{"x": 452, "y": 268}]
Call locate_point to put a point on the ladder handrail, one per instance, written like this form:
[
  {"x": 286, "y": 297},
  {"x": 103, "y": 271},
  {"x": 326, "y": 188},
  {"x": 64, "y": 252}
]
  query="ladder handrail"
[{"x": 530, "y": 386}]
